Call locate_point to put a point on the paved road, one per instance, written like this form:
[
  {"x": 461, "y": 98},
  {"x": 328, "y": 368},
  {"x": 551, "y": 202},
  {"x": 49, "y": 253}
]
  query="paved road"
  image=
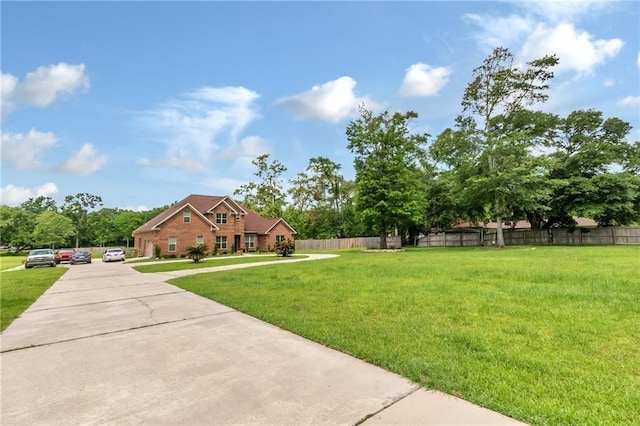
[{"x": 107, "y": 345}]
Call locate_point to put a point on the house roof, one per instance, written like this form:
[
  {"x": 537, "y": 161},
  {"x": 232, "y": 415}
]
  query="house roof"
[
  {"x": 205, "y": 204},
  {"x": 520, "y": 224}
]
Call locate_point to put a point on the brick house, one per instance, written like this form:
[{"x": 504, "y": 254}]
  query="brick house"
[{"x": 216, "y": 221}]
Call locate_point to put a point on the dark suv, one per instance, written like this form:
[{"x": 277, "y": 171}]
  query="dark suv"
[{"x": 64, "y": 255}]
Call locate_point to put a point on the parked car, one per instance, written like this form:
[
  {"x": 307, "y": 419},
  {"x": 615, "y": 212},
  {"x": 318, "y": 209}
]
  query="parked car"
[
  {"x": 64, "y": 255},
  {"x": 80, "y": 256},
  {"x": 40, "y": 257},
  {"x": 113, "y": 254}
]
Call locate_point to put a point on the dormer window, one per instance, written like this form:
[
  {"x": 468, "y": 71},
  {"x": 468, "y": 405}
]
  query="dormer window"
[
  {"x": 186, "y": 216},
  {"x": 221, "y": 218}
]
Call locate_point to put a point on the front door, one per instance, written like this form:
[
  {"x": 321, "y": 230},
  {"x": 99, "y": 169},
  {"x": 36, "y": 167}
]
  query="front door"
[
  {"x": 148, "y": 246},
  {"x": 236, "y": 243}
]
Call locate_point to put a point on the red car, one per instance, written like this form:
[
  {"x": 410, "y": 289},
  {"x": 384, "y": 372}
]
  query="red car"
[{"x": 64, "y": 255}]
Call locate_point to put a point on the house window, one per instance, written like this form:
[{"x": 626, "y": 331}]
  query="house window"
[
  {"x": 173, "y": 243},
  {"x": 280, "y": 238},
  {"x": 186, "y": 216},
  {"x": 221, "y": 218},
  {"x": 221, "y": 243},
  {"x": 199, "y": 239},
  {"x": 250, "y": 242}
]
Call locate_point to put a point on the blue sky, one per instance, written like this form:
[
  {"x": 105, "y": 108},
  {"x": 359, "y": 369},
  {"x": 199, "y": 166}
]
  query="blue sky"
[{"x": 143, "y": 103}]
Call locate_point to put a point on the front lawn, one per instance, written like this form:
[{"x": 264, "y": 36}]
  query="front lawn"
[
  {"x": 547, "y": 335},
  {"x": 11, "y": 260},
  {"x": 209, "y": 263},
  {"x": 19, "y": 289}
]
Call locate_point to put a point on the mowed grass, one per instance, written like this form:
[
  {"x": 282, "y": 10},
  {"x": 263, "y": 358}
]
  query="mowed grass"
[
  {"x": 547, "y": 335},
  {"x": 19, "y": 289},
  {"x": 209, "y": 263},
  {"x": 11, "y": 261}
]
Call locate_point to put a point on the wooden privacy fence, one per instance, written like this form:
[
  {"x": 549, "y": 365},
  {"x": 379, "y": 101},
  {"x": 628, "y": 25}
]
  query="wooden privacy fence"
[
  {"x": 346, "y": 243},
  {"x": 580, "y": 236}
]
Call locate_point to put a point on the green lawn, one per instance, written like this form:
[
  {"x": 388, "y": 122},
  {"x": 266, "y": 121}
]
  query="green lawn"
[
  {"x": 19, "y": 289},
  {"x": 9, "y": 261},
  {"x": 547, "y": 335},
  {"x": 208, "y": 263}
]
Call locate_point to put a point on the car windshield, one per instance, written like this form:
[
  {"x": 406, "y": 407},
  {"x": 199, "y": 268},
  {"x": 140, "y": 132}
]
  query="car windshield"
[
  {"x": 115, "y": 251},
  {"x": 39, "y": 252},
  {"x": 82, "y": 253},
  {"x": 65, "y": 251}
]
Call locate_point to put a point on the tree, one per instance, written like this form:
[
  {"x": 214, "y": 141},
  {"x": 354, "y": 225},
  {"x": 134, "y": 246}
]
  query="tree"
[
  {"x": 16, "y": 227},
  {"x": 389, "y": 190},
  {"x": 266, "y": 197},
  {"x": 39, "y": 204},
  {"x": 76, "y": 208},
  {"x": 500, "y": 88},
  {"x": 125, "y": 222},
  {"x": 52, "y": 229},
  {"x": 586, "y": 149},
  {"x": 321, "y": 194}
]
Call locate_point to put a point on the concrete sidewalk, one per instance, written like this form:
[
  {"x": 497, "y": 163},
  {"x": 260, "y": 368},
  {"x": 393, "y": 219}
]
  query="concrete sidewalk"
[{"x": 107, "y": 345}]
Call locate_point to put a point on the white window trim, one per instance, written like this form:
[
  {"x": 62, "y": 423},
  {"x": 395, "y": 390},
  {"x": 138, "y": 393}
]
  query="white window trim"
[
  {"x": 186, "y": 216},
  {"x": 174, "y": 244}
]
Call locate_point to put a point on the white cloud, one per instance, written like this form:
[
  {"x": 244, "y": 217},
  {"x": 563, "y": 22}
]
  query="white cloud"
[
  {"x": 500, "y": 31},
  {"x": 332, "y": 101},
  {"x": 12, "y": 195},
  {"x": 629, "y": 101},
  {"x": 609, "y": 83},
  {"x": 84, "y": 162},
  {"x": 140, "y": 208},
  {"x": 575, "y": 48},
  {"x": 424, "y": 80},
  {"x": 638, "y": 60},
  {"x": 564, "y": 11},
  {"x": 25, "y": 152},
  {"x": 8, "y": 84},
  {"x": 43, "y": 86},
  {"x": 194, "y": 126},
  {"x": 174, "y": 162},
  {"x": 250, "y": 147}
]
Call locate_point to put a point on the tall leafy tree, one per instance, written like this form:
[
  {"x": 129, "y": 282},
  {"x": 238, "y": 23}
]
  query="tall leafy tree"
[
  {"x": 266, "y": 196},
  {"x": 593, "y": 171},
  {"x": 16, "y": 227},
  {"x": 39, "y": 204},
  {"x": 499, "y": 91},
  {"x": 321, "y": 194},
  {"x": 389, "y": 189},
  {"x": 52, "y": 229},
  {"x": 76, "y": 207}
]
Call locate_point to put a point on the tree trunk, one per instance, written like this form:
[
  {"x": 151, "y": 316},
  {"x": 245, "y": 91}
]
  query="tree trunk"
[
  {"x": 499, "y": 236},
  {"x": 383, "y": 239}
]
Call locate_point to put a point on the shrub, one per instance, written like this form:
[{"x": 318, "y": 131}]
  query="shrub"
[
  {"x": 197, "y": 252},
  {"x": 285, "y": 248},
  {"x": 157, "y": 250}
]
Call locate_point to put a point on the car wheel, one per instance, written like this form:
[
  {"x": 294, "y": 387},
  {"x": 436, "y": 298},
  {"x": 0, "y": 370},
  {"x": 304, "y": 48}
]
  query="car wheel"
[
  {"x": 53, "y": 265},
  {"x": 28, "y": 266}
]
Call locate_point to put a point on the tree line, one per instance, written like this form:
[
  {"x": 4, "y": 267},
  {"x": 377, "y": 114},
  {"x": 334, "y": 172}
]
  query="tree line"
[
  {"x": 500, "y": 161},
  {"x": 39, "y": 222}
]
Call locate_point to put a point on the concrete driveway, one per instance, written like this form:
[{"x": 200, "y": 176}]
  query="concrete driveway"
[{"x": 108, "y": 345}]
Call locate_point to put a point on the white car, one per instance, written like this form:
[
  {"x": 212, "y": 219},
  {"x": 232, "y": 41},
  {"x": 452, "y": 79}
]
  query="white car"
[{"x": 113, "y": 254}]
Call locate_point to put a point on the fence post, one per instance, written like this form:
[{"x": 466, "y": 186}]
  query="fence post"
[{"x": 613, "y": 235}]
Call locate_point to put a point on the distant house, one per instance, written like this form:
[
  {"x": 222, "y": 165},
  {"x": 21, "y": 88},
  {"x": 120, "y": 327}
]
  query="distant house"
[
  {"x": 217, "y": 221},
  {"x": 520, "y": 225}
]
